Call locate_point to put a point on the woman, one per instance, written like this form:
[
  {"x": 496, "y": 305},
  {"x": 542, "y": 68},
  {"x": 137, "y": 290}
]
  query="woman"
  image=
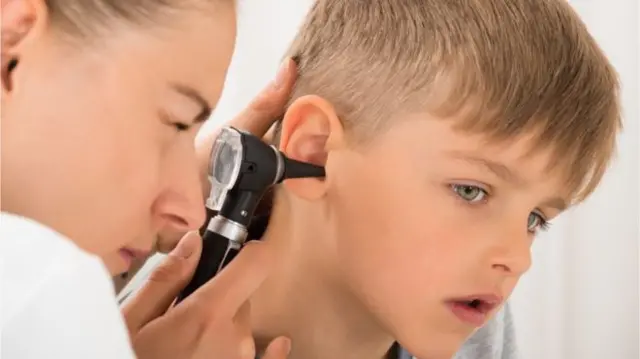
[{"x": 101, "y": 102}]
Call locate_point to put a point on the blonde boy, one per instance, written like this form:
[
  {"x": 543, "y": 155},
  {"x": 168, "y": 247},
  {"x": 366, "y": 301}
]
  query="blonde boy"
[{"x": 452, "y": 132}]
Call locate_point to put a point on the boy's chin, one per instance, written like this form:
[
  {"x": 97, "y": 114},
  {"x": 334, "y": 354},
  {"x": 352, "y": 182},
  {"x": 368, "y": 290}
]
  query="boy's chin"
[{"x": 435, "y": 345}]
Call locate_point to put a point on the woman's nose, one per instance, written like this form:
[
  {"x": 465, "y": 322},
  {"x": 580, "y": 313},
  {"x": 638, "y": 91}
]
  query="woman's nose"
[{"x": 181, "y": 204}]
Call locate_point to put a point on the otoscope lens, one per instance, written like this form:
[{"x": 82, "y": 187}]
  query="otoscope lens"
[{"x": 225, "y": 162}]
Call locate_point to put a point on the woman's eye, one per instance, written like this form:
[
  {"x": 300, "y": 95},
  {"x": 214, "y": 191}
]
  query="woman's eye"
[
  {"x": 536, "y": 222},
  {"x": 469, "y": 193},
  {"x": 181, "y": 126},
  {"x": 168, "y": 119}
]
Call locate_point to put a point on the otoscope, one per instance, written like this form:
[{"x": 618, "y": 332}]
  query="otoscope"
[{"x": 242, "y": 168}]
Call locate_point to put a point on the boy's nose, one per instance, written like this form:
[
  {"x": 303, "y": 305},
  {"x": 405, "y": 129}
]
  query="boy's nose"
[{"x": 513, "y": 254}]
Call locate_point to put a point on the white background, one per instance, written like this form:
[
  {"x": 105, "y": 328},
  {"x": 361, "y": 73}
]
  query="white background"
[{"x": 580, "y": 300}]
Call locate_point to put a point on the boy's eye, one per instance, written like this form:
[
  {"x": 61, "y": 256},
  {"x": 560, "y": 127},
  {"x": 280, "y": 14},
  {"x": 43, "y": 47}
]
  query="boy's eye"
[
  {"x": 536, "y": 221},
  {"x": 469, "y": 193}
]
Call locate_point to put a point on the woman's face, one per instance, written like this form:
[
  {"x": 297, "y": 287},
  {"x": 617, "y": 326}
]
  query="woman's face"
[{"x": 98, "y": 137}]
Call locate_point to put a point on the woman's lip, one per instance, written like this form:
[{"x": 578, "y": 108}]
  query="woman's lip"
[
  {"x": 137, "y": 253},
  {"x": 132, "y": 254}
]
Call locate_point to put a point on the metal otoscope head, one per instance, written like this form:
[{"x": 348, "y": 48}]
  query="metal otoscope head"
[{"x": 243, "y": 168}]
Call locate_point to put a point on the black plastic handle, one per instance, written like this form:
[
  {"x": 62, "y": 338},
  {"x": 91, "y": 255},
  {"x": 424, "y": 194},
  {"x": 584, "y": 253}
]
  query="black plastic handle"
[{"x": 216, "y": 254}]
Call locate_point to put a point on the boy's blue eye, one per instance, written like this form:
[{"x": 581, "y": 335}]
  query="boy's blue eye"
[
  {"x": 469, "y": 193},
  {"x": 536, "y": 221}
]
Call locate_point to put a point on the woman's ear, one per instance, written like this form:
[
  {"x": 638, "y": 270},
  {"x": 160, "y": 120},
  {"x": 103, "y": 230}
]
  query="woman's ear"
[
  {"x": 22, "y": 20},
  {"x": 310, "y": 129}
]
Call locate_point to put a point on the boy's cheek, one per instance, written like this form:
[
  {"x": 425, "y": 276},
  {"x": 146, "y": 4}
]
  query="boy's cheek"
[
  {"x": 404, "y": 264},
  {"x": 408, "y": 296}
]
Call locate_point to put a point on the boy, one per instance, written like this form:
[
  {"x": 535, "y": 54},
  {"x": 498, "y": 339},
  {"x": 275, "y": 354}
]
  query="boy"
[{"x": 451, "y": 132}]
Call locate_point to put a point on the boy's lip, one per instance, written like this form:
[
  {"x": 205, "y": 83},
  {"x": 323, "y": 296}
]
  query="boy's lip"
[{"x": 474, "y": 309}]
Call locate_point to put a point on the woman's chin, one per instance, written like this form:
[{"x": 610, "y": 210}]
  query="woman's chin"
[{"x": 116, "y": 264}]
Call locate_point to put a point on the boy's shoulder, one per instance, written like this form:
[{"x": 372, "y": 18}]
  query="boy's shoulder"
[{"x": 495, "y": 340}]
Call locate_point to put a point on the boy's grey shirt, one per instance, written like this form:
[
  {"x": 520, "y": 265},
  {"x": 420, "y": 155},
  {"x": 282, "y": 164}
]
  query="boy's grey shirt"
[{"x": 496, "y": 340}]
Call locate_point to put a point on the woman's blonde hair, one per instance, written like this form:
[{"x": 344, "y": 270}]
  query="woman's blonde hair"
[{"x": 84, "y": 19}]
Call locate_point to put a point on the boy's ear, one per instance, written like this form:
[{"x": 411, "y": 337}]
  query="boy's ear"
[
  {"x": 22, "y": 21},
  {"x": 310, "y": 129}
]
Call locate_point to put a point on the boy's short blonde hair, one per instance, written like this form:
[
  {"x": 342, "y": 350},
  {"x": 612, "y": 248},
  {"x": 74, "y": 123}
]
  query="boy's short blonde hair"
[{"x": 503, "y": 68}]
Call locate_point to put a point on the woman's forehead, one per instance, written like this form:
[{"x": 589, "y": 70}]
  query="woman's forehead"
[{"x": 194, "y": 51}]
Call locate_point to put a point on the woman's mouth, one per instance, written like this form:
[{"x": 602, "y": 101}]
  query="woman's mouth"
[{"x": 131, "y": 254}]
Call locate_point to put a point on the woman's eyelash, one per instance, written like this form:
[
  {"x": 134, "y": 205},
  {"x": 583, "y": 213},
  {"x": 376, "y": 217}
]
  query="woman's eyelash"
[
  {"x": 181, "y": 126},
  {"x": 169, "y": 120}
]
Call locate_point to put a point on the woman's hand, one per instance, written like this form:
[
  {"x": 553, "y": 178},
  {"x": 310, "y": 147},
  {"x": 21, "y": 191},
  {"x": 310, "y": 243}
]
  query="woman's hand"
[
  {"x": 257, "y": 119},
  {"x": 214, "y": 321}
]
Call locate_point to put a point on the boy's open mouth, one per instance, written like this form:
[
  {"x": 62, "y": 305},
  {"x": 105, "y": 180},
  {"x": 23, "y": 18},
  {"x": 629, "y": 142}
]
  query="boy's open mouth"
[{"x": 474, "y": 310}]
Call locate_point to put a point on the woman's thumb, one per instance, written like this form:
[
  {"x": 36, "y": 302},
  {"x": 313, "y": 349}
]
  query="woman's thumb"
[
  {"x": 279, "y": 348},
  {"x": 164, "y": 283}
]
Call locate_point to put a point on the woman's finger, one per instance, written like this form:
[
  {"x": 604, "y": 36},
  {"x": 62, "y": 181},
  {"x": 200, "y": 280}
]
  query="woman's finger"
[
  {"x": 279, "y": 348},
  {"x": 230, "y": 289},
  {"x": 164, "y": 284},
  {"x": 270, "y": 104}
]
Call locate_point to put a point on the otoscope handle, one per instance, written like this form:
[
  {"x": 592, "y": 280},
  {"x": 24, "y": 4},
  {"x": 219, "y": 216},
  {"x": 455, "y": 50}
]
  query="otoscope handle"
[{"x": 217, "y": 252}]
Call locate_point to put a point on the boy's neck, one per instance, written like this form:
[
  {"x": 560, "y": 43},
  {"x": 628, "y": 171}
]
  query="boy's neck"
[{"x": 303, "y": 301}]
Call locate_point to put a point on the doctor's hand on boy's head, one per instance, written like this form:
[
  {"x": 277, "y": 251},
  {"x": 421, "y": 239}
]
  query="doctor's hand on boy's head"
[
  {"x": 213, "y": 322},
  {"x": 258, "y": 117}
]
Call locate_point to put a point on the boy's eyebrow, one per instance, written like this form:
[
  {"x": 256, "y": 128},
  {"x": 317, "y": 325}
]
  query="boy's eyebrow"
[
  {"x": 505, "y": 173},
  {"x": 556, "y": 203},
  {"x": 195, "y": 96},
  {"x": 497, "y": 168}
]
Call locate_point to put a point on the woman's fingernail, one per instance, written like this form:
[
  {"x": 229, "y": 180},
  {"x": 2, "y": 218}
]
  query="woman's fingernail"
[
  {"x": 186, "y": 247},
  {"x": 247, "y": 348},
  {"x": 282, "y": 74},
  {"x": 286, "y": 346}
]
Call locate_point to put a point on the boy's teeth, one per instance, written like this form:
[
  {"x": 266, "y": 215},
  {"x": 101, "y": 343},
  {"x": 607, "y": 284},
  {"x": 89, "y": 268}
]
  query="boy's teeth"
[{"x": 474, "y": 304}]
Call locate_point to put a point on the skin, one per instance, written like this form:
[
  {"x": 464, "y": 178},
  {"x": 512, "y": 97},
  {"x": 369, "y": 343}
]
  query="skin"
[
  {"x": 122, "y": 130},
  {"x": 455, "y": 217}
]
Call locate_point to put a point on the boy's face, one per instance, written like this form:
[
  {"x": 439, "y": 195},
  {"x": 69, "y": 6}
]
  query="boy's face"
[{"x": 428, "y": 218}]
